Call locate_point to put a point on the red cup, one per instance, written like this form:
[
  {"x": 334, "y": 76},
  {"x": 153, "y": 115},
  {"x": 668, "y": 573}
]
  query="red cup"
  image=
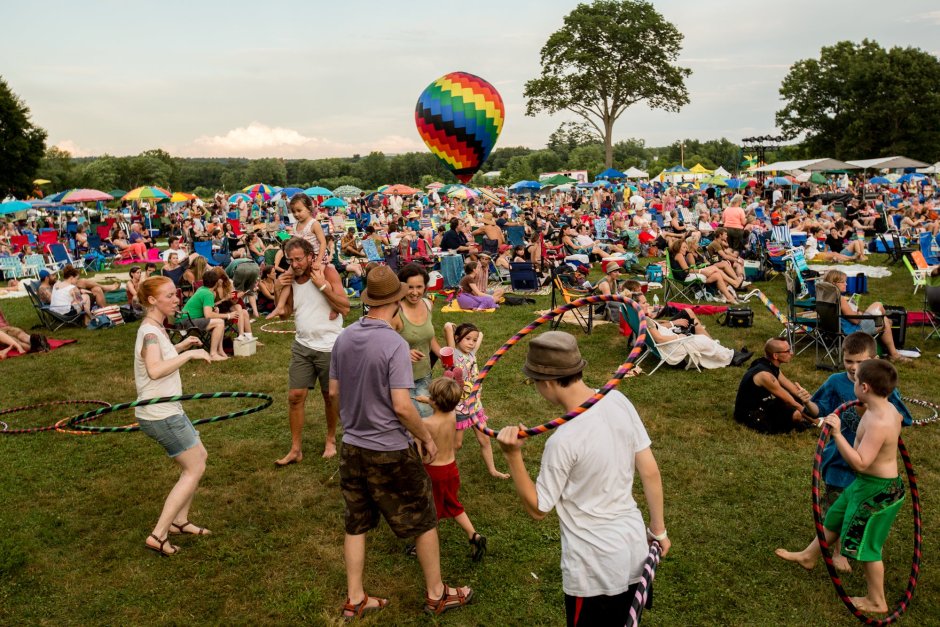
[{"x": 447, "y": 357}]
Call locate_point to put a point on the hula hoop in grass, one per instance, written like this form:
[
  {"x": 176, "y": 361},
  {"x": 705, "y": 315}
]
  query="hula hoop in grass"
[
  {"x": 13, "y": 410},
  {"x": 922, "y": 421},
  {"x": 620, "y": 373},
  {"x": 905, "y": 599},
  {"x": 645, "y": 585},
  {"x": 5, "y": 426},
  {"x": 264, "y": 327},
  {"x": 75, "y": 422}
]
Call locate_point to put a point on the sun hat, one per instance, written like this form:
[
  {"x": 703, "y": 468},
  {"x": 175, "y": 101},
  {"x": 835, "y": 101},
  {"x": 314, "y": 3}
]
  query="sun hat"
[
  {"x": 611, "y": 266},
  {"x": 504, "y": 247},
  {"x": 383, "y": 287},
  {"x": 552, "y": 355},
  {"x": 488, "y": 219}
]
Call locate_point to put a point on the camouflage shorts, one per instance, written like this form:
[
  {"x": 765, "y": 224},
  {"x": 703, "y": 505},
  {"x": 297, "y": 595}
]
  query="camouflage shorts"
[{"x": 391, "y": 483}]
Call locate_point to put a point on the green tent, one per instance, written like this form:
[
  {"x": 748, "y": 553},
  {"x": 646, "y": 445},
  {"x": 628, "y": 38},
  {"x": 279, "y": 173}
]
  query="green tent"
[{"x": 558, "y": 179}]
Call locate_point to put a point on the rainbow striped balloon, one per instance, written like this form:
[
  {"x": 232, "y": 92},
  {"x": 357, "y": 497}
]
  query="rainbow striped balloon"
[{"x": 459, "y": 117}]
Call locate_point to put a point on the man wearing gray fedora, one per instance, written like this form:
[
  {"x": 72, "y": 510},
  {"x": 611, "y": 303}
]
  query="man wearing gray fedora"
[
  {"x": 586, "y": 475},
  {"x": 380, "y": 467}
]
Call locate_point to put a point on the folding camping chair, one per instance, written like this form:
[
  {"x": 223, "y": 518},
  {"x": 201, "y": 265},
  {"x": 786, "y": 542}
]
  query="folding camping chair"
[
  {"x": 522, "y": 277},
  {"x": 918, "y": 275},
  {"x": 931, "y": 311},
  {"x": 686, "y": 290},
  {"x": 829, "y": 319},
  {"x": 50, "y": 319},
  {"x": 372, "y": 251},
  {"x": 583, "y": 315},
  {"x": 927, "y": 249},
  {"x": 515, "y": 235},
  {"x": 62, "y": 258},
  {"x": 801, "y": 322}
]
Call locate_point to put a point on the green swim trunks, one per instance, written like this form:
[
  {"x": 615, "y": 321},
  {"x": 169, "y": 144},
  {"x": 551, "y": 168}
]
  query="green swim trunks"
[{"x": 863, "y": 515}]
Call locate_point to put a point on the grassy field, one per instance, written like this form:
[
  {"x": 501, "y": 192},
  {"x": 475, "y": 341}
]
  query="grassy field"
[{"x": 75, "y": 510}]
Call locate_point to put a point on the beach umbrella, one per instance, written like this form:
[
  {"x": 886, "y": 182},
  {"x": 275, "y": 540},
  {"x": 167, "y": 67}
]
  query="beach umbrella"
[
  {"x": 717, "y": 181},
  {"x": 259, "y": 189},
  {"x": 84, "y": 195},
  {"x": 41, "y": 181},
  {"x": 400, "y": 190},
  {"x": 610, "y": 173},
  {"x": 182, "y": 197},
  {"x": 434, "y": 185},
  {"x": 464, "y": 192},
  {"x": 519, "y": 185},
  {"x": 879, "y": 180},
  {"x": 781, "y": 180},
  {"x": 239, "y": 197},
  {"x": 147, "y": 192},
  {"x": 492, "y": 197},
  {"x": 447, "y": 189},
  {"x": 913, "y": 176},
  {"x": 347, "y": 191},
  {"x": 41, "y": 203},
  {"x": 288, "y": 192},
  {"x": 14, "y": 206},
  {"x": 117, "y": 193},
  {"x": 818, "y": 178},
  {"x": 317, "y": 191},
  {"x": 333, "y": 202}
]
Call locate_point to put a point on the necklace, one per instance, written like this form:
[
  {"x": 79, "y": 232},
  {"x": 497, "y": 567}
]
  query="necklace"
[{"x": 379, "y": 319}]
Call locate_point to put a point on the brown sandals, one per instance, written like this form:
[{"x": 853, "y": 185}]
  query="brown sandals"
[
  {"x": 447, "y": 601},
  {"x": 360, "y": 609},
  {"x": 179, "y": 529},
  {"x": 163, "y": 549}
]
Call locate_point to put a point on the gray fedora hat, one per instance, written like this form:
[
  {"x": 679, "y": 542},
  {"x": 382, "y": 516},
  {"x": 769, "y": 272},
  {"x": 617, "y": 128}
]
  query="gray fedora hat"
[{"x": 552, "y": 355}]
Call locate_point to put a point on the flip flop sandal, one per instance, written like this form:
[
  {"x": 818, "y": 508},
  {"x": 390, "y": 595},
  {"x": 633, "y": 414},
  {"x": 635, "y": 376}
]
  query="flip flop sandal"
[
  {"x": 478, "y": 543},
  {"x": 362, "y": 608},
  {"x": 179, "y": 529},
  {"x": 447, "y": 601},
  {"x": 162, "y": 548}
]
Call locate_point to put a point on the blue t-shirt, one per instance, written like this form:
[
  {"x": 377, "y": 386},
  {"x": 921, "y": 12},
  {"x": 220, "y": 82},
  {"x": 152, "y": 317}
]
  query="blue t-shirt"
[
  {"x": 369, "y": 359},
  {"x": 837, "y": 390}
]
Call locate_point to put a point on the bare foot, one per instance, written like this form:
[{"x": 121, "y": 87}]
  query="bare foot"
[
  {"x": 274, "y": 314},
  {"x": 329, "y": 450},
  {"x": 498, "y": 474},
  {"x": 868, "y": 606},
  {"x": 290, "y": 458},
  {"x": 841, "y": 563},
  {"x": 798, "y": 557},
  {"x": 221, "y": 357}
]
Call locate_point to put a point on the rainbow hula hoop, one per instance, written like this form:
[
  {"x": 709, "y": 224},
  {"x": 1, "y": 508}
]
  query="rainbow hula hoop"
[
  {"x": 621, "y": 372},
  {"x": 645, "y": 585},
  {"x": 923, "y": 421},
  {"x": 75, "y": 422},
  {"x": 7, "y": 431},
  {"x": 905, "y": 600}
]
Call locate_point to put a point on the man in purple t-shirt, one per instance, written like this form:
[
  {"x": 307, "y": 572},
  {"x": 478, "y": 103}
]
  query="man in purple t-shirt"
[{"x": 380, "y": 468}]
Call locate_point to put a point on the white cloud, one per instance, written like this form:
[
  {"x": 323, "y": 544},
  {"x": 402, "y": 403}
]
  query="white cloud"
[
  {"x": 930, "y": 16},
  {"x": 260, "y": 140},
  {"x": 72, "y": 148}
]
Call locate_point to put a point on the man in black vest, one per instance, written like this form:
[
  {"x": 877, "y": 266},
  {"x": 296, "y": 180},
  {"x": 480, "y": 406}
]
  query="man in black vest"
[{"x": 767, "y": 400}]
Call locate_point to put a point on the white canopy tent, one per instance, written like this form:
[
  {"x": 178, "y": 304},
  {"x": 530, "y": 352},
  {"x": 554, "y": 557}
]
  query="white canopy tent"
[
  {"x": 888, "y": 163},
  {"x": 720, "y": 171},
  {"x": 809, "y": 165},
  {"x": 636, "y": 173},
  {"x": 934, "y": 169}
]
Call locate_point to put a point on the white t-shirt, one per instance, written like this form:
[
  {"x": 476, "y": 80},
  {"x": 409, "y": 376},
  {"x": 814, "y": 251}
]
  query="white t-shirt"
[
  {"x": 61, "y": 299},
  {"x": 312, "y": 310},
  {"x": 170, "y": 385},
  {"x": 587, "y": 477},
  {"x": 637, "y": 201}
]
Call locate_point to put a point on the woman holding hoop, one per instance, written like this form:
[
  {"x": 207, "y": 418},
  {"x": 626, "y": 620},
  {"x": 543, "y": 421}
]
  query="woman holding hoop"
[{"x": 156, "y": 373}]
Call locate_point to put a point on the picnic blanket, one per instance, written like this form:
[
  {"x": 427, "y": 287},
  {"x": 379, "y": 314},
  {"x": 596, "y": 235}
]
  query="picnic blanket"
[
  {"x": 872, "y": 272},
  {"x": 701, "y": 310},
  {"x": 53, "y": 344},
  {"x": 453, "y": 307}
]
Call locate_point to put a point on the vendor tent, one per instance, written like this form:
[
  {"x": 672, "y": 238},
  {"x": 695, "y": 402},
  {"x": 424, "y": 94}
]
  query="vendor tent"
[
  {"x": 636, "y": 173},
  {"x": 888, "y": 163},
  {"x": 812, "y": 165}
]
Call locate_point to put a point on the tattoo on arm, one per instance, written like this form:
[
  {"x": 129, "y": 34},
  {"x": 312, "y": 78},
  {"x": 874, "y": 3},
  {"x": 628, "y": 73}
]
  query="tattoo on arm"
[{"x": 150, "y": 339}]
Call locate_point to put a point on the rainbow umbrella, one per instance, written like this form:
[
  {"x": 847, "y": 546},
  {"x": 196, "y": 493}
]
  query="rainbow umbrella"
[
  {"x": 318, "y": 191},
  {"x": 239, "y": 197},
  {"x": 464, "y": 192},
  {"x": 147, "y": 192},
  {"x": 259, "y": 189}
]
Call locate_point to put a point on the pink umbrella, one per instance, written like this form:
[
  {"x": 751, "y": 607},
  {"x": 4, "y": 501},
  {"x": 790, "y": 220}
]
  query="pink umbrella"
[{"x": 84, "y": 195}]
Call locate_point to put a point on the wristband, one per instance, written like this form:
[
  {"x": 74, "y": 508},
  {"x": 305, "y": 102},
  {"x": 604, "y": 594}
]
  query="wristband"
[
  {"x": 323, "y": 287},
  {"x": 653, "y": 536}
]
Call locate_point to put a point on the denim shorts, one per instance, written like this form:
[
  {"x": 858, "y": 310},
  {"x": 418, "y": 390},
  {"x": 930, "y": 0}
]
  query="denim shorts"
[
  {"x": 421, "y": 389},
  {"x": 175, "y": 434}
]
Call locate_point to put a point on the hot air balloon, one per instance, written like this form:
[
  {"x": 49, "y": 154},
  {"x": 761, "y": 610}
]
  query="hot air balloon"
[{"x": 459, "y": 117}]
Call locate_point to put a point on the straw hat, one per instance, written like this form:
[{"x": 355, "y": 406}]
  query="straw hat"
[
  {"x": 488, "y": 219},
  {"x": 383, "y": 287},
  {"x": 552, "y": 355},
  {"x": 611, "y": 266}
]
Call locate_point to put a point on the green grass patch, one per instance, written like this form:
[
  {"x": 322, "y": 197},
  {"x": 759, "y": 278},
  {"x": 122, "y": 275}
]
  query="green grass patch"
[{"x": 76, "y": 510}]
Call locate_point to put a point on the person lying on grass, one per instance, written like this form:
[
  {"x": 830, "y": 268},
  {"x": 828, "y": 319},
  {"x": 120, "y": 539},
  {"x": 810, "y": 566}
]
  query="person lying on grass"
[
  {"x": 862, "y": 515},
  {"x": 586, "y": 475}
]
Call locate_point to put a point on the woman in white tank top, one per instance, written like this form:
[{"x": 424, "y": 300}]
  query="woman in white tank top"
[{"x": 156, "y": 373}]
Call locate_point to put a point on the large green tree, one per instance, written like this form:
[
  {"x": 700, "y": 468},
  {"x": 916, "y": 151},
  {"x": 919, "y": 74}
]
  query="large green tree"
[
  {"x": 22, "y": 144},
  {"x": 609, "y": 55},
  {"x": 860, "y": 101}
]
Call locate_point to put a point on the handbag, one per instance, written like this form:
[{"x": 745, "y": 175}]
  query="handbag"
[{"x": 737, "y": 317}]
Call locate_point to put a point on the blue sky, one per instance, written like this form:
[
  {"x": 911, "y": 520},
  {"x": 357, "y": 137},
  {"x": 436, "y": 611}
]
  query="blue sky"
[{"x": 315, "y": 79}]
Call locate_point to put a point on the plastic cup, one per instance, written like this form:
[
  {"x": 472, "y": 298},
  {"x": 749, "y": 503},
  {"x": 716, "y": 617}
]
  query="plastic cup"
[{"x": 447, "y": 357}]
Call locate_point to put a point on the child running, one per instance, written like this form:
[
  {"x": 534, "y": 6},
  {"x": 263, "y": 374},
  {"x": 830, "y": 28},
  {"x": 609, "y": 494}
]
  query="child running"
[
  {"x": 863, "y": 513},
  {"x": 466, "y": 339},
  {"x": 445, "y": 394},
  {"x": 309, "y": 229}
]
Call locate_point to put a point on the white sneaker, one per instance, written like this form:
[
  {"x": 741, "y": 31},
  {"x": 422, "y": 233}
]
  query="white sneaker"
[{"x": 241, "y": 338}]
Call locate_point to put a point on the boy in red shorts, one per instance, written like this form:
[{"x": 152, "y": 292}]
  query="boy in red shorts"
[{"x": 445, "y": 394}]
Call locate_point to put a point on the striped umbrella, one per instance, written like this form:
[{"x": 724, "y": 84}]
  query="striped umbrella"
[
  {"x": 347, "y": 191},
  {"x": 259, "y": 189},
  {"x": 84, "y": 195},
  {"x": 464, "y": 192},
  {"x": 239, "y": 197},
  {"x": 485, "y": 193},
  {"x": 318, "y": 191},
  {"x": 147, "y": 192}
]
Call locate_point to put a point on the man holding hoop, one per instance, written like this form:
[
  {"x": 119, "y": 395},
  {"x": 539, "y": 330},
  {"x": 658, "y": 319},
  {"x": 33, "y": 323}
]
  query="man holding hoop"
[
  {"x": 586, "y": 475},
  {"x": 315, "y": 296}
]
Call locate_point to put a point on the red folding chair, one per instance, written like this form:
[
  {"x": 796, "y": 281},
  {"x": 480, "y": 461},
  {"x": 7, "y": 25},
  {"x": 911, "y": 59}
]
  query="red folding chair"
[
  {"x": 18, "y": 242},
  {"x": 236, "y": 226}
]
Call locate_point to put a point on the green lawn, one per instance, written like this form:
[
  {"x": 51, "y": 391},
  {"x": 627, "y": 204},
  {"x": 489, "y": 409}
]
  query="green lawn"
[{"x": 75, "y": 510}]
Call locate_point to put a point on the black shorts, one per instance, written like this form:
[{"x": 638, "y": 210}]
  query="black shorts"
[
  {"x": 391, "y": 483},
  {"x": 602, "y": 611}
]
